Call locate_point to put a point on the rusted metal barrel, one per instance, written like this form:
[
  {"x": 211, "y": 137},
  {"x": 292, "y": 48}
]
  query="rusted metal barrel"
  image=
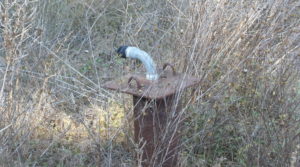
[{"x": 157, "y": 118}]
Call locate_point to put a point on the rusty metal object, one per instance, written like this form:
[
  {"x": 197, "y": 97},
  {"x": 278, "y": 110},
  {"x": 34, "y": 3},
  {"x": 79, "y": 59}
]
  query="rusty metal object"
[
  {"x": 157, "y": 89},
  {"x": 157, "y": 121},
  {"x": 139, "y": 86},
  {"x": 169, "y": 65},
  {"x": 156, "y": 128}
]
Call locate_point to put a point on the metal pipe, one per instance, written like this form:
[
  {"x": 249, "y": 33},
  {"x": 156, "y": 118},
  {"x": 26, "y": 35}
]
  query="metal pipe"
[
  {"x": 144, "y": 57},
  {"x": 154, "y": 130},
  {"x": 157, "y": 116}
]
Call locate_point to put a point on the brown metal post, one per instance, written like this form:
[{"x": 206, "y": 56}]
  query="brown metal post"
[
  {"x": 156, "y": 128},
  {"x": 157, "y": 118}
]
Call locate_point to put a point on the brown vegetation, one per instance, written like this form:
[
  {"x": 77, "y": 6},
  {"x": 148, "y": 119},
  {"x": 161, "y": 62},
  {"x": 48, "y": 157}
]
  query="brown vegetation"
[{"x": 56, "y": 54}]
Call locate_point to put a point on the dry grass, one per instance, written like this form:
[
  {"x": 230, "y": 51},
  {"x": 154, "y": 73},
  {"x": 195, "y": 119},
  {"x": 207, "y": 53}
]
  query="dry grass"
[{"x": 56, "y": 54}]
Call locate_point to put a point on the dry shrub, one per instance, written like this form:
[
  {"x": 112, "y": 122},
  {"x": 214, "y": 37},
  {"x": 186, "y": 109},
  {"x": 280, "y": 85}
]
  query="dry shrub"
[
  {"x": 247, "y": 55},
  {"x": 55, "y": 55}
]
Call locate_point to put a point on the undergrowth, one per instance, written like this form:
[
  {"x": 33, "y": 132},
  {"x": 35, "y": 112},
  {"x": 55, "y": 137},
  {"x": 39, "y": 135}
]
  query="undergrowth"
[{"x": 55, "y": 56}]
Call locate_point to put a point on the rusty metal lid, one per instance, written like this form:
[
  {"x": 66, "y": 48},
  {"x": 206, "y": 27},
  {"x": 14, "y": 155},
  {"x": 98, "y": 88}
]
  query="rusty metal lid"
[{"x": 136, "y": 84}]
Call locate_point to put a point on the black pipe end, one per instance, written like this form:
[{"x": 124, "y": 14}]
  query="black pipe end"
[{"x": 121, "y": 51}]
